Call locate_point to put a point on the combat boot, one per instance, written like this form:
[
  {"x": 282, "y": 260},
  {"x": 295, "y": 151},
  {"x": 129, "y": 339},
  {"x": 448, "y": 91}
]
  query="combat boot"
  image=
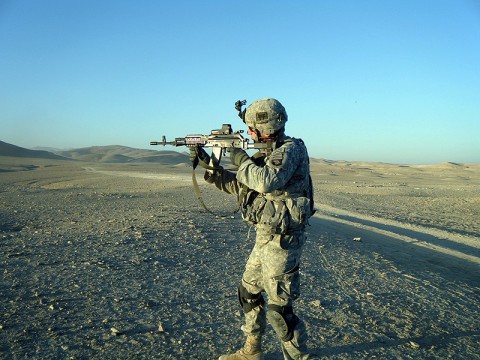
[{"x": 252, "y": 350}]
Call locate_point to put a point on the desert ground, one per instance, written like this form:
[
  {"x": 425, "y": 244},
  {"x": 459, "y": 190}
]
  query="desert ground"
[{"x": 119, "y": 261}]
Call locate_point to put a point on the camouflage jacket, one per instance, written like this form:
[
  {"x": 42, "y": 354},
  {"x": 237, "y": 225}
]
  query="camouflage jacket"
[{"x": 275, "y": 191}]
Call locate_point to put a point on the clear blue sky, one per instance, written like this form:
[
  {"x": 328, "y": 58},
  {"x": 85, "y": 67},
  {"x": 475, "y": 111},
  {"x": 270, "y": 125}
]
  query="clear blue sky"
[{"x": 393, "y": 81}]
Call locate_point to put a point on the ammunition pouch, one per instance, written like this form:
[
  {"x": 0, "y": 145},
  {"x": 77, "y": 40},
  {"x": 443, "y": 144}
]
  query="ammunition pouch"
[
  {"x": 299, "y": 209},
  {"x": 251, "y": 205},
  {"x": 276, "y": 213}
]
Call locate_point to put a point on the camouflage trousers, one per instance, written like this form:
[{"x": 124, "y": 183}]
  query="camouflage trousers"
[{"x": 273, "y": 268}]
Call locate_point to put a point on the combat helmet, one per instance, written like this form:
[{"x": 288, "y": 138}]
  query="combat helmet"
[{"x": 267, "y": 116}]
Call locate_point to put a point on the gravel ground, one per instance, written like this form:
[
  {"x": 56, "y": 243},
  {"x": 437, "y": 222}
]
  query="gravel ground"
[{"x": 117, "y": 261}]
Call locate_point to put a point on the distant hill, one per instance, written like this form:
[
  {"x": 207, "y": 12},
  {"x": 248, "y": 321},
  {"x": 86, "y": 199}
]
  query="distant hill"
[
  {"x": 124, "y": 154},
  {"x": 105, "y": 154},
  {"x": 7, "y": 149},
  {"x": 47, "y": 148}
]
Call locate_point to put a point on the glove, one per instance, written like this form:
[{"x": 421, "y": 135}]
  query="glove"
[
  {"x": 238, "y": 156},
  {"x": 193, "y": 154},
  {"x": 197, "y": 152}
]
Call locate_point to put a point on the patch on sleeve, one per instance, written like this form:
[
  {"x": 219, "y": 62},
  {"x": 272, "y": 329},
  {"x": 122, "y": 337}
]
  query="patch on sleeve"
[{"x": 277, "y": 158}]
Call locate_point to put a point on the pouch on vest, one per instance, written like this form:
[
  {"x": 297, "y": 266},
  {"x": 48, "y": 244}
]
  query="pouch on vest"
[
  {"x": 299, "y": 209},
  {"x": 274, "y": 217},
  {"x": 252, "y": 207}
]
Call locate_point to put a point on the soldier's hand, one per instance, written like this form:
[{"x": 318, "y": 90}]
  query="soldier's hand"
[
  {"x": 197, "y": 152},
  {"x": 238, "y": 156},
  {"x": 193, "y": 154}
]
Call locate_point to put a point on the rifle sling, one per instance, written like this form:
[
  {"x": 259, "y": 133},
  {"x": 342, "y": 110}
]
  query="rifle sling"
[
  {"x": 198, "y": 194},
  {"x": 206, "y": 166}
]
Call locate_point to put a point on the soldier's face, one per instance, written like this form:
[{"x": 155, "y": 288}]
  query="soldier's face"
[{"x": 252, "y": 133}]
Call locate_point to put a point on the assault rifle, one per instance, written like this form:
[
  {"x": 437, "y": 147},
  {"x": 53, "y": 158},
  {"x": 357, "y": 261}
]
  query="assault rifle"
[
  {"x": 223, "y": 138},
  {"x": 219, "y": 140}
]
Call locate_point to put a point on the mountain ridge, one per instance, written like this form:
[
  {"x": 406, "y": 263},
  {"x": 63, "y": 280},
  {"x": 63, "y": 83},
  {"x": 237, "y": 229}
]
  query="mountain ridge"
[
  {"x": 105, "y": 154},
  {"x": 7, "y": 149}
]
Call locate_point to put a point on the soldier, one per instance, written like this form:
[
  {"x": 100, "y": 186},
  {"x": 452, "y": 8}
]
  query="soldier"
[{"x": 275, "y": 194}]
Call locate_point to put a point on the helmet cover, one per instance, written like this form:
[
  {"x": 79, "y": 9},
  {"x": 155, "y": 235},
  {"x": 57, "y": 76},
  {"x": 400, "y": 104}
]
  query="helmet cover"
[{"x": 266, "y": 115}]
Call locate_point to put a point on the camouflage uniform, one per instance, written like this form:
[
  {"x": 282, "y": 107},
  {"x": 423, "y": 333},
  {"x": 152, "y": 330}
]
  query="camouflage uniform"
[{"x": 275, "y": 196}]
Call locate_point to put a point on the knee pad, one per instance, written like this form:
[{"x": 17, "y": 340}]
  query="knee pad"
[
  {"x": 249, "y": 301},
  {"x": 283, "y": 321}
]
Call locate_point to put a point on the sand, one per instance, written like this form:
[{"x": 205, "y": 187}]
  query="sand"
[{"x": 119, "y": 261}]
